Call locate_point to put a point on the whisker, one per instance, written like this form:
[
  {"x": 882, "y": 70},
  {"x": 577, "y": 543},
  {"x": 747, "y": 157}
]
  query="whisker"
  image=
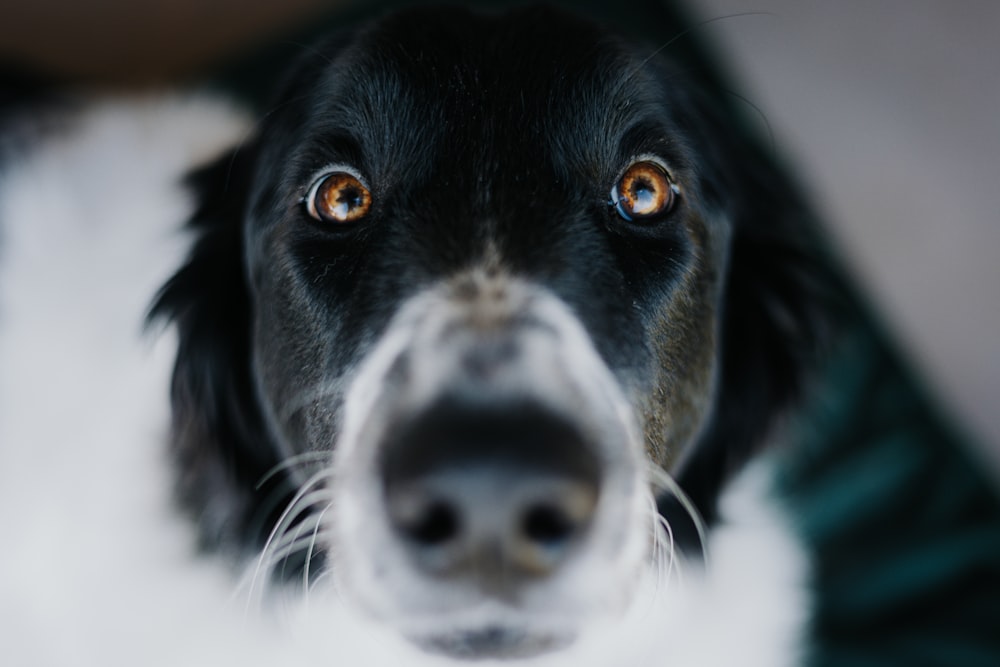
[
  {"x": 314, "y": 499},
  {"x": 292, "y": 543},
  {"x": 661, "y": 479},
  {"x": 663, "y": 552},
  {"x": 300, "y": 541},
  {"x": 295, "y": 508},
  {"x": 625, "y": 80},
  {"x": 300, "y": 544},
  {"x": 325, "y": 574},
  {"x": 290, "y": 462},
  {"x": 306, "y": 588},
  {"x": 683, "y": 33},
  {"x": 673, "y": 563},
  {"x": 772, "y": 142}
]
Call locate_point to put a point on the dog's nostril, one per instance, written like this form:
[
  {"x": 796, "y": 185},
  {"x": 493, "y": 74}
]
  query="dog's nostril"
[
  {"x": 437, "y": 524},
  {"x": 422, "y": 516},
  {"x": 496, "y": 496},
  {"x": 547, "y": 525}
]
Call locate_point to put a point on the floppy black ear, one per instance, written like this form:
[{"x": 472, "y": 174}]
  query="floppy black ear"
[
  {"x": 784, "y": 299},
  {"x": 219, "y": 440},
  {"x": 221, "y": 443}
]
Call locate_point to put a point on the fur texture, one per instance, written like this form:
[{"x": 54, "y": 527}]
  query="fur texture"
[
  {"x": 94, "y": 553},
  {"x": 731, "y": 305},
  {"x": 489, "y": 155}
]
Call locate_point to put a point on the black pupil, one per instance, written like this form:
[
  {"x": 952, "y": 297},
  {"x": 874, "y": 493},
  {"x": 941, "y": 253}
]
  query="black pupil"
[
  {"x": 643, "y": 195},
  {"x": 350, "y": 196}
]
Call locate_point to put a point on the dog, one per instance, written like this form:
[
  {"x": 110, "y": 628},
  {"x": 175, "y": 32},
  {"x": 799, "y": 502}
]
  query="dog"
[
  {"x": 462, "y": 288},
  {"x": 452, "y": 309}
]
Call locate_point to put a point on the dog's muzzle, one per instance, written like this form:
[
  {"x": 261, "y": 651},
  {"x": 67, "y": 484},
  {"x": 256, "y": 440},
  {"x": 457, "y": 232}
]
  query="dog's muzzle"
[
  {"x": 494, "y": 493},
  {"x": 489, "y": 487}
]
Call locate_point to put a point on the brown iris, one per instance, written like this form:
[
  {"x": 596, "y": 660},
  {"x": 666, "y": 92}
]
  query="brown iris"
[
  {"x": 644, "y": 192},
  {"x": 339, "y": 197}
]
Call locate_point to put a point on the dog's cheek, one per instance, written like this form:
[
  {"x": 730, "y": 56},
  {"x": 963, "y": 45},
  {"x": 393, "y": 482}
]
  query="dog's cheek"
[
  {"x": 683, "y": 386},
  {"x": 292, "y": 349},
  {"x": 684, "y": 338}
]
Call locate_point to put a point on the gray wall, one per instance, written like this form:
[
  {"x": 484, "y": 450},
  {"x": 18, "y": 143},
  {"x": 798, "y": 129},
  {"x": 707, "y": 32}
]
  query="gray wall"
[{"x": 892, "y": 109}]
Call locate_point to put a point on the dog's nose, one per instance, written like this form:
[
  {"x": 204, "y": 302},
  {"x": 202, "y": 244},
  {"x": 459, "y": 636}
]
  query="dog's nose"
[{"x": 497, "y": 496}]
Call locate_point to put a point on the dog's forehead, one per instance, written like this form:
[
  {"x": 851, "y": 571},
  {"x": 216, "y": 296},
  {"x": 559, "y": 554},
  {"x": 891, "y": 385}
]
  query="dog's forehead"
[
  {"x": 531, "y": 82},
  {"x": 457, "y": 53}
]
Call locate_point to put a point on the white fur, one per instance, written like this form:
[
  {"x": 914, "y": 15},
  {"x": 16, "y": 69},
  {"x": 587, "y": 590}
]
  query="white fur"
[
  {"x": 96, "y": 569},
  {"x": 556, "y": 361}
]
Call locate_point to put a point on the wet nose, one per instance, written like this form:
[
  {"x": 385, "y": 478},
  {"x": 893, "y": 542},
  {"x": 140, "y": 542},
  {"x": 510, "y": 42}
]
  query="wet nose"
[{"x": 498, "y": 496}]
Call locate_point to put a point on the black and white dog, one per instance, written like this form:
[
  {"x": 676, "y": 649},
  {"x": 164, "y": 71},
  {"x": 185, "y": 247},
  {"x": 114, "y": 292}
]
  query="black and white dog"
[{"x": 452, "y": 307}]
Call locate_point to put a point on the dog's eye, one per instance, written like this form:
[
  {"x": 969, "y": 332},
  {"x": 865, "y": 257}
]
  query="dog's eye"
[
  {"x": 338, "y": 197},
  {"x": 644, "y": 192}
]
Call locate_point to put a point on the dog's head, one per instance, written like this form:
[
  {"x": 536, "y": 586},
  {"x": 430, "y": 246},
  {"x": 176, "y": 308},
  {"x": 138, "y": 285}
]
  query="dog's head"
[{"x": 469, "y": 279}]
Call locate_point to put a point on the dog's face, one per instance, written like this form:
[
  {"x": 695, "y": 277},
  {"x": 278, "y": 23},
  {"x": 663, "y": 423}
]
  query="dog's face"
[
  {"x": 470, "y": 280},
  {"x": 484, "y": 170}
]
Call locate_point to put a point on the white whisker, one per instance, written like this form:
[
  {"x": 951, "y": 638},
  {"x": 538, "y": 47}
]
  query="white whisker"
[
  {"x": 661, "y": 479},
  {"x": 300, "y": 544},
  {"x": 306, "y": 588},
  {"x": 325, "y": 574},
  {"x": 298, "y": 505},
  {"x": 291, "y": 462},
  {"x": 664, "y": 552},
  {"x": 290, "y": 542},
  {"x": 311, "y": 500}
]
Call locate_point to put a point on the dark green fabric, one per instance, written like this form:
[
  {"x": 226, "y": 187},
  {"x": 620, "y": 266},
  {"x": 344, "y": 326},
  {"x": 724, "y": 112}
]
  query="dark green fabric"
[{"x": 903, "y": 526}]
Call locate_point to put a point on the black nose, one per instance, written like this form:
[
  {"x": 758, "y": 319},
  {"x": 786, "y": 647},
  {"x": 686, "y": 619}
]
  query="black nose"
[{"x": 499, "y": 495}]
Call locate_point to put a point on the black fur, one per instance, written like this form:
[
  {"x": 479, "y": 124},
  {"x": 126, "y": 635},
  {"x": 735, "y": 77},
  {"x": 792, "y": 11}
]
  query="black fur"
[
  {"x": 220, "y": 442},
  {"x": 780, "y": 297}
]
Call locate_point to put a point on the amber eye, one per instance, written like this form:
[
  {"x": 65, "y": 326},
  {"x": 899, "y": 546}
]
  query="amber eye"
[
  {"x": 338, "y": 197},
  {"x": 645, "y": 191}
]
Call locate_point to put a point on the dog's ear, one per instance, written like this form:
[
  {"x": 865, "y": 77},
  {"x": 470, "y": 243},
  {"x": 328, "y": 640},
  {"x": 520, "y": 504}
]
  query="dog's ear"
[
  {"x": 228, "y": 474},
  {"x": 784, "y": 299},
  {"x": 219, "y": 440}
]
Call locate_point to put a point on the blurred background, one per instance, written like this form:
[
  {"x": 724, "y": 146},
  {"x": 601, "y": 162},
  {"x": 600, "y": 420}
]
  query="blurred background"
[{"x": 889, "y": 108}]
